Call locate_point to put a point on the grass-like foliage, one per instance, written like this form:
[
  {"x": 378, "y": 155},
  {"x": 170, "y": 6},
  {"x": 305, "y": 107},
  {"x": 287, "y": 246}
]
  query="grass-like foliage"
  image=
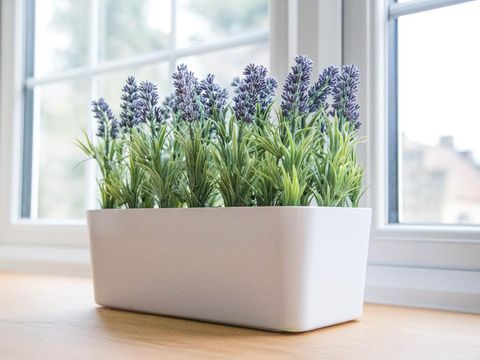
[
  {"x": 337, "y": 177},
  {"x": 234, "y": 161},
  {"x": 156, "y": 157},
  {"x": 195, "y": 149},
  {"x": 286, "y": 164},
  {"x": 196, "y": 186}
]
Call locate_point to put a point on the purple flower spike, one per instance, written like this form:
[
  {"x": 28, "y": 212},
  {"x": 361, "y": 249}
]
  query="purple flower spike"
[
  {"x": 107, "y": 123},
  {"x": 130, "y": 97},
  {"x": 186, "y": 94},
  {"x": 212, "y": 95},
  {"x": 295, "y": 90},
  {"x": 255, "y": 88},
  {"x": 317, "y": 95},
  {"x": 147, "y": 110},
  {"x": 345, "y": 95},
  {"x": 266, "y": 97}
]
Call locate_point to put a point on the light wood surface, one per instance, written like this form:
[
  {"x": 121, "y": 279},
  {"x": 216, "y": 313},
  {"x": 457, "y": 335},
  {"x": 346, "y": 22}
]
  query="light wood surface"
[{"x": 48, "y": 317}]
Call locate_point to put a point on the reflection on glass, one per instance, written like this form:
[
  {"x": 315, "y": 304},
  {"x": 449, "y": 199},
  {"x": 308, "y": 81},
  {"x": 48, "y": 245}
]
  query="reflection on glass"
[
  {"x": 210, "y": 20},
  {"x": 129, "y": 28},
  {"x": 60, "y": 35},
  {"x": 438, "y": 79},
  {"x": 62, "y": 115},
  {"x": 227, "y": 64}
]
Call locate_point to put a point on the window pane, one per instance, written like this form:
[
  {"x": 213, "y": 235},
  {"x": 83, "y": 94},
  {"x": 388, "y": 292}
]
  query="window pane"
[
  {"x": 210, "y": 20},
  {"x": 111, "y": 83},
  {"x": 227, "y": 64},
  {"x": 129, "y": 28},
  {"x": 438, "y": 77},
  {"x": 61, "y": 28},
  {"x": 63, "y": 111},
  {"x": 64, "y": 33}
]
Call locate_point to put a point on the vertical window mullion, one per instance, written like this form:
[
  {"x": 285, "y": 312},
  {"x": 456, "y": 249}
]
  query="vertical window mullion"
[
  {"x": 27, "y": 156},
  {"x": 393, "y": 151},
  {"x": 94, "y": 48}
]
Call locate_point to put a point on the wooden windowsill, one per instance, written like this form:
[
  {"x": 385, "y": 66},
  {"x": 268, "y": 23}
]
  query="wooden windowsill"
[{"x": 48, "y": 317}]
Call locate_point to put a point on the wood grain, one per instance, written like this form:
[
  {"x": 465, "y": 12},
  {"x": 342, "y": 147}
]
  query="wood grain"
[{"x": 47, "y": 317}]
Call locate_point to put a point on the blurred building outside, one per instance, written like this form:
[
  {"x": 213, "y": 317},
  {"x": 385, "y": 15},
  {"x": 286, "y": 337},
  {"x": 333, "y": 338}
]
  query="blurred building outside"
[{"x": 439, "y": 184}]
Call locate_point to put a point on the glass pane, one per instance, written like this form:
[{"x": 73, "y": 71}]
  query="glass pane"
[
  {"x": 63, "y": 112},
  {"x": 111, "y": 83},
  {"x": 438, "y": 77},
  {"x": 61, "y": 35},
  {"x": 129, "y": 28},
  {"x": 227, "y": 64},
  {"x": 210, "y": 20}
]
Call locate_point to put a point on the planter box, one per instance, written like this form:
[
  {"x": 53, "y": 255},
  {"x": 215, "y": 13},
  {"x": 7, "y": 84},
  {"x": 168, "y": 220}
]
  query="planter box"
[{"x": 279, "y": 268}]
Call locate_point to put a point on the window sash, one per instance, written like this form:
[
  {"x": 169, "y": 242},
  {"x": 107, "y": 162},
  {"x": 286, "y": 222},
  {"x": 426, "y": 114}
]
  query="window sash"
[
  {"x": 396, "y": 10},
  {"x": 365, "y": 42},
  {"x": 394, "y": 246},
  {"x": 30, "y": 164}
]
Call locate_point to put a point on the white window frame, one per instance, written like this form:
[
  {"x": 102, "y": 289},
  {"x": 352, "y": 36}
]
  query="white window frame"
[
  {"x": 14, "y": 228},
  {"x": 462, "y": 239},
  {"x": 433, "y": 266}
]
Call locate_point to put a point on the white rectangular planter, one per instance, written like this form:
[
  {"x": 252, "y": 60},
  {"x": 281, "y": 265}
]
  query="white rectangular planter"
[{"x": 280, "y": 268}]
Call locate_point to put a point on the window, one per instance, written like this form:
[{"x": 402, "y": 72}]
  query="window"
[
  {"x": 434, "y": 152},
  {"x": 77, "y": 51},
  {"x": 57, "y": 57},
  {"x": 373, "y": 40}
]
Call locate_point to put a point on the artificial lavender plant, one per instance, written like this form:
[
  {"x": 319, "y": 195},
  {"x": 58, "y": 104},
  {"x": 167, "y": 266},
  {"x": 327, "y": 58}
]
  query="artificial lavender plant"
[{"x": 195, "y": 149}]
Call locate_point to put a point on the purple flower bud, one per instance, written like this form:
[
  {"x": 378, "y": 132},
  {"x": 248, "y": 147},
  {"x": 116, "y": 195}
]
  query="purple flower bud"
[
  {"x": 146, "y": 108},
  {"x": 295, "y": 90},
  {"x": 255, "y": 88},
  {"x": 266, "y": 97},
  {"x": 130, "y": 96},
  {"x": 345, "y": 95},
  {"x": 106, "y": 121},
  {"x": 317, "y": 95},
  {"x": 212, "y": 95},
  {"x": 186, "y": 94}
]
